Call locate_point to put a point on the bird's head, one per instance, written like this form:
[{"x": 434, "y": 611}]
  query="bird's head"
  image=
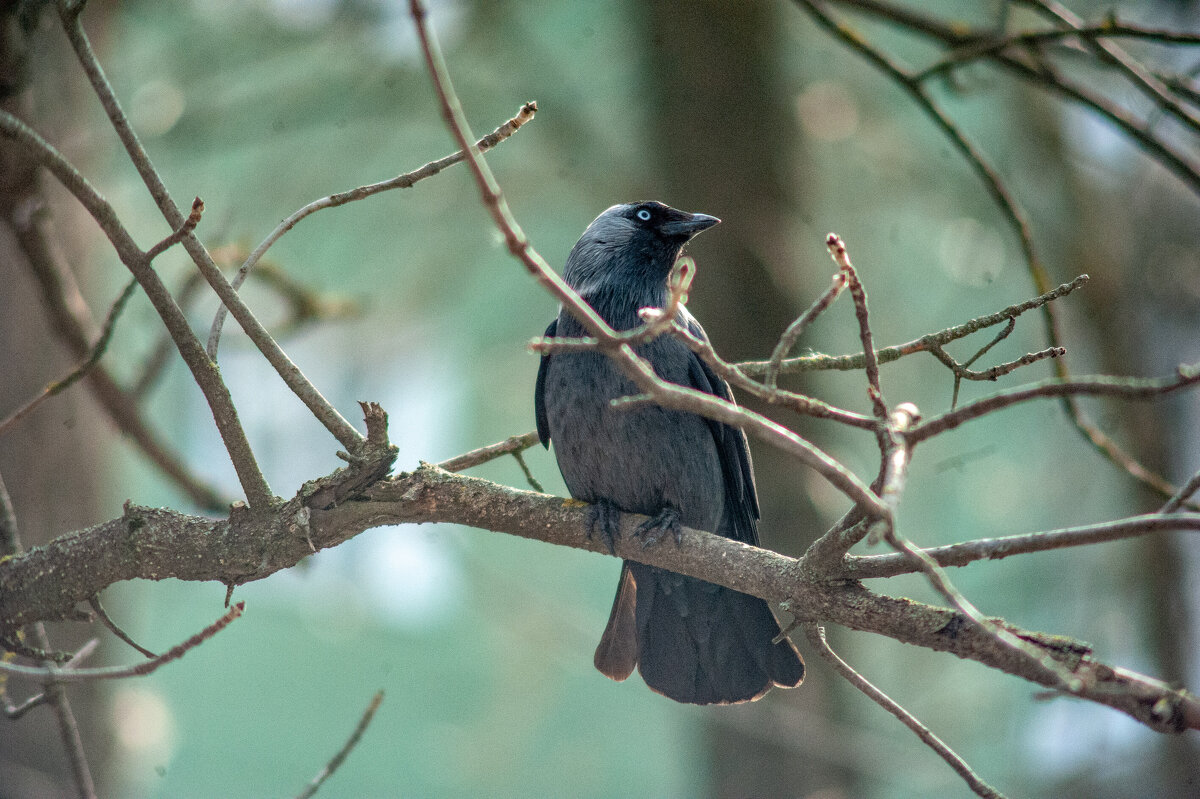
[{"x": 632, "y": 247}]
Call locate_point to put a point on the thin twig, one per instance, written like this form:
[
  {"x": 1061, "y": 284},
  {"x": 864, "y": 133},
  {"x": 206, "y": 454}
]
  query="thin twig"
[
  {"x": 178, "y": 235},
  {"x": 797, "y": 328},
  {"x": 407, "y": 180},
  {"x": 115, "y": 630},
  {"x": 258, "y": 493},
  {"x": 68, "y": 728},
  {"x": 864, "y": 567},
  {"x": 46, "y": 676},
  {"x": 15, "y": 711},
  {"x": 963, "y": 370},
  {"x": 493, "y": 199},
  {"x": 97, "y": 351},
  {"x": 344, "y": 752},
  {"x": 1105, "y": 30},
  {"x": 529, "y": 478},
  {"x": 925, "y": 343},
  {"x": 508, "y": 446},
  {"x": 1181, "y": 497},
  {"x": 656, "y": 321},
  {"x": 1137, "y": 74},
  {"x": 1003, "y": 334},
  {"x": 837, "y": 249},
  {"x": 1008, "y": 367},
  {"x": 816, "y": 637},
  {"x": 1055, "y": 388},
  {"x": 203, "y": 370}
]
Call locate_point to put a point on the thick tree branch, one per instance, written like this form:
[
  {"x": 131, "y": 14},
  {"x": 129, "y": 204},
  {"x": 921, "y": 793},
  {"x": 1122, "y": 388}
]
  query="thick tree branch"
[{"x": 148, "y": 543}]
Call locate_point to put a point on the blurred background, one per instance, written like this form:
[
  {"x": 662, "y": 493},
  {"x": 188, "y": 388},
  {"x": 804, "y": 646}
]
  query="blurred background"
[{"x": 483, "y": 642}]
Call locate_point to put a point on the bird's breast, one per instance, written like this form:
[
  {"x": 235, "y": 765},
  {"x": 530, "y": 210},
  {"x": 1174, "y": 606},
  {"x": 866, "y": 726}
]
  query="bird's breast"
[{"x": 641, "y": 458}]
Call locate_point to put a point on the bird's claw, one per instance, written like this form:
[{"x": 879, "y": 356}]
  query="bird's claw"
[
  {"x": 651, "y": 530},
  {"x": 605, "y": 518}
]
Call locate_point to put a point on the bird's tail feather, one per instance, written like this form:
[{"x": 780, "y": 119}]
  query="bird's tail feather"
[
  {"x": 616, "y": 655},
  {"x": 694, "y": 641}
]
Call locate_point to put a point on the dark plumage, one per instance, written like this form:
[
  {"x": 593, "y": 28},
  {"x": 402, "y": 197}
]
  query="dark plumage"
[{"x": 691, "y": 640}]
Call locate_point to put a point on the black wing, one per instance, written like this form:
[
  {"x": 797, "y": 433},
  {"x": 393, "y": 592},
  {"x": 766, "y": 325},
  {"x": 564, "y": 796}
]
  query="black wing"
[
  {"x": 539, "y": 392},
  {"x": 741, "y": 496}
]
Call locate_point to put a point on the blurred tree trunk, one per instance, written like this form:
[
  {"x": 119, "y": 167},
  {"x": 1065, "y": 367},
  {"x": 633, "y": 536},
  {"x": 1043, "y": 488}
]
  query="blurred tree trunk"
[
  {"x": 51, "y": 460},
  {"x": 724, "y": 140}
]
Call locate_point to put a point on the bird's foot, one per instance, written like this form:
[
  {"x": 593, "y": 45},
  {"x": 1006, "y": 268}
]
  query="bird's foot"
[
  {"x": 667, "y": 521},
  {"x": 604, "y": 518}
]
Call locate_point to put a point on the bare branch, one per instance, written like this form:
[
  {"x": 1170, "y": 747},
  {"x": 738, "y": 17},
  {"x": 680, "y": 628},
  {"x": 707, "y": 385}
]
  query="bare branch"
[
  {"x": 797, "y": 328},
  {"x": 405, "y": 181},
  {"x": 156, "y": 544},
  {"x": 816, "y": 637},
  {"x": 97, "y": 351},
  {"x": 509, "y": 446},
  {"x": 324, "y": 412},
  {"x": 1181, "y": 497},
  {"x": 1130, "y": 388},
  {"x": 1109, "y": 29},
  {"x": 514, "y": 445},
  {"x": 203, "y": 370},
  {"x": 346, "y": 749},
  {"x": 925, "y": 343},
  {"x": 1112, "y": 53},
  {"x": 179, "y": 233},
  {"x": 52, "y": 675},
  {"x": 862, "y": 567},
  {"x": 68, "y": 728},
  {"x": 837, "y": 249},
  {"x": 115, "y": 630}
]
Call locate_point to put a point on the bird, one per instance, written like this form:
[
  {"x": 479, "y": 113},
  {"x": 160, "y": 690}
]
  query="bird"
[{"x": 692, "y": 641}]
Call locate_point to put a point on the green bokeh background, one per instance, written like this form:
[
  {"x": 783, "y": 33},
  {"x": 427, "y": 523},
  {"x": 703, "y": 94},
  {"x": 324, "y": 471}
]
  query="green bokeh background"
[{"x": 482, "y": 642}]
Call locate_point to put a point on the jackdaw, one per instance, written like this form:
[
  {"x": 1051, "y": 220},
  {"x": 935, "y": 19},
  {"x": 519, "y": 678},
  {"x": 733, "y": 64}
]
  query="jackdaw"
[{"x": 692, "y": 641}]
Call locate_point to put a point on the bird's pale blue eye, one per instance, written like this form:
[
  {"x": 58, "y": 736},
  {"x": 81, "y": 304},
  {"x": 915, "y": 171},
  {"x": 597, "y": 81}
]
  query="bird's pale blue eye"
[{"x": 643, "y": 215}]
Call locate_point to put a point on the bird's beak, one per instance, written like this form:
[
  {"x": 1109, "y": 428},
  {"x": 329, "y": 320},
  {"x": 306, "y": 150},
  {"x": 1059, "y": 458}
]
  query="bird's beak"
[{"x": 688, "y": 225}]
